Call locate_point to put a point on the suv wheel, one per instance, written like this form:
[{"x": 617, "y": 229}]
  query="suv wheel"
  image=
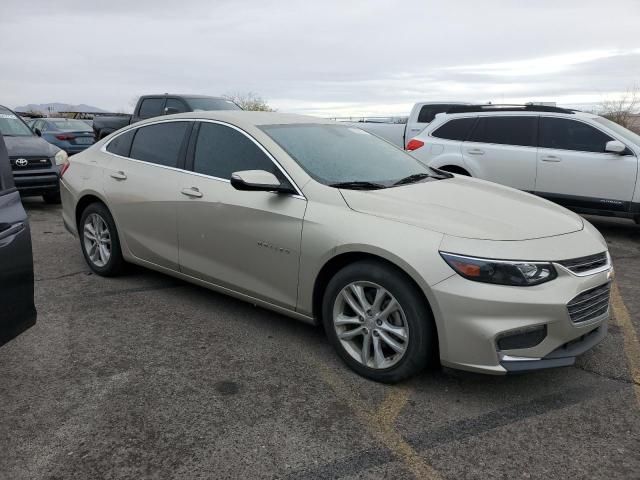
[
  {"x": 99, "y": 241},
  {"x": 378, "y": 322},
  {"x": 51, "y": 198}
]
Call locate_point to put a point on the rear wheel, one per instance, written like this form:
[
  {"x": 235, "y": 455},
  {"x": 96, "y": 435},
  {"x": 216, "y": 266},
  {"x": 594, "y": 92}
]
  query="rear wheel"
[
  {"x": 378, "y": 322},
  {"x": 99, "y": 241},
  {"x": 51, "y": 198}
]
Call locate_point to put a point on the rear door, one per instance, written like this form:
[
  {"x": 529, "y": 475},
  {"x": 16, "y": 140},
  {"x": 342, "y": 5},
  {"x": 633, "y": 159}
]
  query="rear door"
[
  {"x": 575, "y": 171},
  {"x": 503, "y": 149},
  {"x": 17, "y": 310}
]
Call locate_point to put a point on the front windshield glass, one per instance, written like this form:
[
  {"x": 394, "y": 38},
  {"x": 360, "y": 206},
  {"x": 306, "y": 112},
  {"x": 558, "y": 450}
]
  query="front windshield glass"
[
  {"x": 70, "y": 125},
  {"x": 334, "y": 154},
  {"x": 620, "y": 130},
  {"x": 207, "y": 104},
  {"x": 12, "y": 126}
]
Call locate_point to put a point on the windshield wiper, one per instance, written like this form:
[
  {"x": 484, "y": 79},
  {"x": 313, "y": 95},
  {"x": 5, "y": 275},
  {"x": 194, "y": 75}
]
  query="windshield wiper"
[
  {"x": 416, "y": 177},
  {"x": 358, "y": 185}
]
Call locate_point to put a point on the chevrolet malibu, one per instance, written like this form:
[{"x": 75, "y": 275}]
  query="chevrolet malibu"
[{"x": 403, "y": 265}]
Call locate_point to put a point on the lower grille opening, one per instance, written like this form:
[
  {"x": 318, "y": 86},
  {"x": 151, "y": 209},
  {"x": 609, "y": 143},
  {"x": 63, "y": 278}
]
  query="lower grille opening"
[
  {"x": 522, "y": 338},
  {"x": 590, "y": 304}
]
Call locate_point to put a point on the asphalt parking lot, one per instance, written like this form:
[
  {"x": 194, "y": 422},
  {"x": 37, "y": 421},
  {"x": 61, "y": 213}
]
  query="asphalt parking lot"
[{"x": 145, "y": 376}]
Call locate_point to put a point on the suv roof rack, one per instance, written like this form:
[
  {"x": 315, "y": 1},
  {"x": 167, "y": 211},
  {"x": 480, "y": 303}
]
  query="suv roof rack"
[{"x": 507, "y": 108}]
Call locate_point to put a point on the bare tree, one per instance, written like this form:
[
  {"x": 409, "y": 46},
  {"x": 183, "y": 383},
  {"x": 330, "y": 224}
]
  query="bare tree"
[
  {"x": 249, "y": 101},
  {"x": 623, "y": 109}
]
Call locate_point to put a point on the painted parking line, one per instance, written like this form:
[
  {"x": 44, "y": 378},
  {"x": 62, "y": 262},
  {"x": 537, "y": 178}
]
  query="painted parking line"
[
  {"x": 631, "y": 342},
  {"x": 381, "y": 422}
]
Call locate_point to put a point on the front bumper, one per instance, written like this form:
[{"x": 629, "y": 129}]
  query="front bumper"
[{"x": 474, "y": 316}]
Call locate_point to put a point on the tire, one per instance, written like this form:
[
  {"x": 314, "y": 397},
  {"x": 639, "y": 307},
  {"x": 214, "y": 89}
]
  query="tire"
[
  {"x": 637, "y": 219},
  {"x": 412, "y": 320},
  {"x": 98, "y": 217},
  {"x": 52, "y": 198}
]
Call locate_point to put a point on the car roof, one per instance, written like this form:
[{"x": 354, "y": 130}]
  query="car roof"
[
  {"x": 244, "y": 118},
  {"x": 515, "y": 113}
]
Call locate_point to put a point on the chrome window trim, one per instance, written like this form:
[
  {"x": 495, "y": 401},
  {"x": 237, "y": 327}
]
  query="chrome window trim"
[{"x": 103, "y": 149}]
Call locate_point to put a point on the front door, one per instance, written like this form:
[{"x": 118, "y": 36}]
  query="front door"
[
  {"x": 575, "y": 171},
  {"x": 246, "y": 241},
  {"x": 17, "y": 310}
]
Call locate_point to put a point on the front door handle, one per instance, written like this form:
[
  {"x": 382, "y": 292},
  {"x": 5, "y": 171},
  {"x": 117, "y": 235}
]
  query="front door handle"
[
  {"x": 475, "y": 151},
  {"x": 8, "y": 229},
  {"x": 119, "y": 175},
  {"x": 550, "y": 158},
  {"x": 191, "y": 192}
]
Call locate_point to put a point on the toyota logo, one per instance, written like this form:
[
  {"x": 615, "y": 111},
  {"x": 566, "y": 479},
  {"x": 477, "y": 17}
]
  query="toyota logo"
[{"x": 22, "y": 162}]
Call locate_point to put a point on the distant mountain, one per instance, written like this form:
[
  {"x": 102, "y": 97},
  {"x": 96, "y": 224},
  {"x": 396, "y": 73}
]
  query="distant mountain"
[{"x": 57, "y": 107}]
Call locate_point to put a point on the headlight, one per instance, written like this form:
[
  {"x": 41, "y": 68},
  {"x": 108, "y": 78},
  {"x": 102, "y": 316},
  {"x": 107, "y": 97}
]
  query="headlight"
[
  {"x": 501, "y": 272},
  {"x": 61, "y": 157}
]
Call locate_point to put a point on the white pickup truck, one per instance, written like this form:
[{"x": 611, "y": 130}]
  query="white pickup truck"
[{"x": 399, "y": 130}]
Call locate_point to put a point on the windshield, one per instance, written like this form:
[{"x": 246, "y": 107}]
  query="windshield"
[
  {"x": 203, "y": 103},
  {"x": 620, "y": 130},
  {"x": 12, "y": 126},
  {"x": 334, "y": 154},
  {"x": 70, "y": 125}
]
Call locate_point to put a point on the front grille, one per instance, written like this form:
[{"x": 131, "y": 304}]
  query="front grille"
[
  {"x": 585, "y": 264},
  {"x": 590, "y": 304},
  {"x": 32, "y": 162}
]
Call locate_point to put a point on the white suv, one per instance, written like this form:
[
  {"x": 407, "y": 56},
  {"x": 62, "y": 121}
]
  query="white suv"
[{"x": 579, "y": 160}]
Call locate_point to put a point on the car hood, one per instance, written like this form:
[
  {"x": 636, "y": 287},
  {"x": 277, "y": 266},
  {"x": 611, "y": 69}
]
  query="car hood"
[
  {"x": 29, "y": 147},
  {"x": 469, "y": 208}
]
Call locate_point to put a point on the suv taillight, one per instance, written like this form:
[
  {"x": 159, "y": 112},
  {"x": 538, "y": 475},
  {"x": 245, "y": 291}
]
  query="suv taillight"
[{"x": 414, "y": 144}]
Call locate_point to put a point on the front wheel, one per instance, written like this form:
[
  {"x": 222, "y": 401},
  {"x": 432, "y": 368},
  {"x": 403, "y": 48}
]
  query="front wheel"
[
  {"x": 378, "y": 322},
  {"x": 99, "y": 241}
]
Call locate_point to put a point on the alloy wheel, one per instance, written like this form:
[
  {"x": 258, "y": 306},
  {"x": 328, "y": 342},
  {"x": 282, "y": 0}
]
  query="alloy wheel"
[{"x": 97, "y": 240}]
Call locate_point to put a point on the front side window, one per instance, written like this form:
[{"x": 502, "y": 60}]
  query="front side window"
[
  {"x": 151, "y": 107},
  {"x": 565, "y": 134},
  {"x": 177, "y": 105},
  {"x": 159, "y": 143},
  {"x": 121, "y": 145},
  {"x": 456, "y": 129},
  {"x": 12, "y": 126},
  {"x": 507, "y": 130},
  {"x": 334, "y": 154},
  {"x": 221, "y": 150}
]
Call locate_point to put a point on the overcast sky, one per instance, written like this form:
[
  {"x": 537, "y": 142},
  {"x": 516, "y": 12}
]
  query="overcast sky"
[{"x": 328, "y": 57}]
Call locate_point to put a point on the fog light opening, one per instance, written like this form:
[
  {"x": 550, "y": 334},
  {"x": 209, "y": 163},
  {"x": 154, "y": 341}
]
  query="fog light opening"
[{"x": 521, "y": 338}]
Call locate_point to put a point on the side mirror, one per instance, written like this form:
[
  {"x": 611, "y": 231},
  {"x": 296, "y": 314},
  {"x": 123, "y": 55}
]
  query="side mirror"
[
  {"x": 37, "y": 131},
  {"x": 614, "y": 146},
  {"x": 171, "y": 110},
  {"x": 258, "y": 181}
]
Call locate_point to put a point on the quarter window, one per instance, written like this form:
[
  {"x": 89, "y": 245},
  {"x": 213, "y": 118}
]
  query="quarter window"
[
  {"x": 159, "y": 143},
  {"x": 508, "y": 130},
  {"x": 222, "y": 150},
  {"x": 429, "y": 112},
  {"x": 567, "y": 134},
  {"x": 121, "y": 145},
  {"x": 457, "y": 129},
  {"x": 151, "y": 107}
]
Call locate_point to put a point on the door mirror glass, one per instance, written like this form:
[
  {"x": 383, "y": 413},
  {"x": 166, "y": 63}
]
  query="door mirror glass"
[
  {"x": 258, "y": 180},
  {"x": 614, "y": 146}
]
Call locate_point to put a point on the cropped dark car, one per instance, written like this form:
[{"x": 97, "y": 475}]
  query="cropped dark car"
[
  {"x": 68, "y": 134},
  {"x": 17, "y": 309},
  {"x": 35, "y": 162}
]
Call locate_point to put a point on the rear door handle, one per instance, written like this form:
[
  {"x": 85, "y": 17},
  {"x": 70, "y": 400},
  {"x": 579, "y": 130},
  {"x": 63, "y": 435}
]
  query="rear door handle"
[
  {"x": 475, "y": 151},
  {"x": 550, "y": 158},
  {"x": 119, "y": 175},
  {"x": 191, "y": 192},
  {"x": 8, "y": 229}
]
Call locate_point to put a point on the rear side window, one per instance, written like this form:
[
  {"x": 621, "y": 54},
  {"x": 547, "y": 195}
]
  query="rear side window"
[
  {"x": 457, "y": 129},
  {"x": 429, "y": 112},
  {"x": 506, "y": 130},
  {"x": 221, "y": 150},
  {"x": 151, "y": 107},
  {"x": 566, "y": 134},
  {"x": 121, "y": 145},
  {"x": 159, "y": 143}
]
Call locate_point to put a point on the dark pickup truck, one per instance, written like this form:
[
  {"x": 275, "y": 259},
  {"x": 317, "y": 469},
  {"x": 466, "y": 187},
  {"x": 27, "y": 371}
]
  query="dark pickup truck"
[{"x": 155, "y": 105}]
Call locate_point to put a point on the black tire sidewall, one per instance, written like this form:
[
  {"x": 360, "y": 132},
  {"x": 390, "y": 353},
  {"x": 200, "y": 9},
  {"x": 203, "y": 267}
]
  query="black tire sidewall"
[
  {"x": 116, "y": 262},
  {"x": 420, "y": 321}
]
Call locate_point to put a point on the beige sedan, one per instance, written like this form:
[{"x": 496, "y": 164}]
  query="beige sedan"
[{"x": 404, "y": 265}]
